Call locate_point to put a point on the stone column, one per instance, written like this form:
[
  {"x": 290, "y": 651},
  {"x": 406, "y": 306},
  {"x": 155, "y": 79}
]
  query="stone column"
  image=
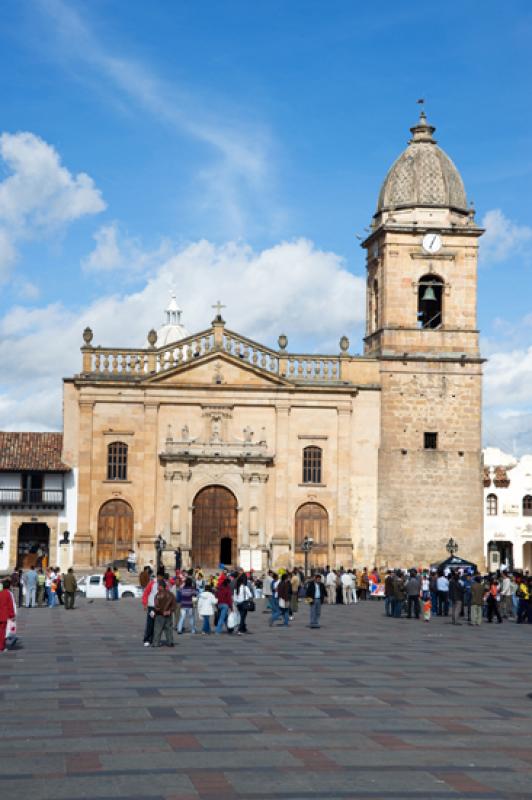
[
  {"x": 147, "y": 515},
  {"x": 180, "y": 498},
  {"x": 282, "y": 535},
  {"x": 343, "y": 542},
  {"x": 85, "y": 539}
]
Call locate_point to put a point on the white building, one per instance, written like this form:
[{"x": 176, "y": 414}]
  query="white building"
[
  {"x": 38, "y": 501},
  {"x": 507, "y": 509}
]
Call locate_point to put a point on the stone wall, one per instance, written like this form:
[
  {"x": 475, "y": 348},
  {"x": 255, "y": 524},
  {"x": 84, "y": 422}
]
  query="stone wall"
[{"x": 427, "y": 496}]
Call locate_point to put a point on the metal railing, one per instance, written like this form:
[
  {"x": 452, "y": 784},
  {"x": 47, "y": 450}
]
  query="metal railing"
[{"x": 52, "y": 498}]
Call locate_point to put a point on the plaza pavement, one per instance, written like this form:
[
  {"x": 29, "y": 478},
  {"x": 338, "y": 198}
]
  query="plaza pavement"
[{"x": 365, "y": 707}]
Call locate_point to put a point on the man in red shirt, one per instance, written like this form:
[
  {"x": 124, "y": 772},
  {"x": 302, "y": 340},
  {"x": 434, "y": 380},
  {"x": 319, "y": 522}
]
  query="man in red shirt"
[{"x": 7, "y": 612}]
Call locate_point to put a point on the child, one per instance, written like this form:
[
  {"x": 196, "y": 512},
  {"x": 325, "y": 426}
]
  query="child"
[{"x": 427, "y": 607}]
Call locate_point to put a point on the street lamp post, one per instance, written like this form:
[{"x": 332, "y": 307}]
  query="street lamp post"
[
  {"x": 451, "y": 547},
  {"x": 160, "y": 546},
  {"x": 306, "y": 546}
]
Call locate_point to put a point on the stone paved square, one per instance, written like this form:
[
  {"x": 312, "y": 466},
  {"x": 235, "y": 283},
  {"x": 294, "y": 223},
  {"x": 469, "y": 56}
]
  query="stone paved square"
[{"x": 365, "y": 707}]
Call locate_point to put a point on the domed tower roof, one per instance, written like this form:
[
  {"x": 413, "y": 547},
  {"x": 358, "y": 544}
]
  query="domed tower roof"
[
  {"x": 172, "y": 330},
  {"x": 422, "y": 176}
]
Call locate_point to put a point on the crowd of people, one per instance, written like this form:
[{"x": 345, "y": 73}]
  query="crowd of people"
[
  {"x": 221, "y": 603},
  {"x": 462, "y": 594},
  {"x": 39, "y": 588},
  {"x": 189, "y": 600}
]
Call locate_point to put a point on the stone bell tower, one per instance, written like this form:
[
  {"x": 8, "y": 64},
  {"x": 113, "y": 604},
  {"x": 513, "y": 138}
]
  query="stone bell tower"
[{"x": 421, "y": 325}]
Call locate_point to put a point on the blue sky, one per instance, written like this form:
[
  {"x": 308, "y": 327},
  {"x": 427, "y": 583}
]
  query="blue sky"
[{"x": 235, "y": 148}]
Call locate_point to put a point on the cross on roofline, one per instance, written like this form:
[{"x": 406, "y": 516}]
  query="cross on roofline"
[{"x": 218, "y": 308}]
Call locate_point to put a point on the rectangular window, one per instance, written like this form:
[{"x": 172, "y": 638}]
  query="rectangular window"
[
  {"x": 430, "y": 440},
  {"x": 312, "y": 465},
  {"x": 117, "y": 462}
]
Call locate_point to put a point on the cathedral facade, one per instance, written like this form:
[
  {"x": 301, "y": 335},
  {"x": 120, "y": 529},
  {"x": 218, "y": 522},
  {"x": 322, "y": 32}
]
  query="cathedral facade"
[{"x": 238, "y": 453}]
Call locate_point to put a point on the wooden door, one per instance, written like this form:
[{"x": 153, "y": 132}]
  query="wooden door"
[
  {"x": 312, "y": 520},
  {"x": 214, "y": 518},
  {"x": 115, "y": 531}
]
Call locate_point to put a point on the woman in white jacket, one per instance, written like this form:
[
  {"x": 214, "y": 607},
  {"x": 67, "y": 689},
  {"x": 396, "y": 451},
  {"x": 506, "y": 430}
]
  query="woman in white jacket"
[
  {"x": 241, "y": 597},
  {"x": 206, "y": 608}
]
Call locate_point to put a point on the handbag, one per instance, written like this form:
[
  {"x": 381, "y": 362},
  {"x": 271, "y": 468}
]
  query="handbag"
[{"x": 251, "y": 604}]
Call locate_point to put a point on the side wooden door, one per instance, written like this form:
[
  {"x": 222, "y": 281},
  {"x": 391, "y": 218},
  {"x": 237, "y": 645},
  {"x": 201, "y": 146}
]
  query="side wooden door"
[{"x": 115, "y": 531}]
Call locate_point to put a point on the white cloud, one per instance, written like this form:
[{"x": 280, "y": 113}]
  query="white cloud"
[
  {"x": 508, "y": 400},
  {"x": 239, "y": 175},
  {"x": 39, "y": 195},
  {"x": 508, "y": 378},
  {"x": 116, "y": 251},
  {"x": 503, "y": 238},
  {"x": 291, "y": 288}
]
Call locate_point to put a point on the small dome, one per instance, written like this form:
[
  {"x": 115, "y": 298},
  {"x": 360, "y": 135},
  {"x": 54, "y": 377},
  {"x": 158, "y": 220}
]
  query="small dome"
[
  {"x": 423, "y": 175},
  {"x": 172, "y": 330}
]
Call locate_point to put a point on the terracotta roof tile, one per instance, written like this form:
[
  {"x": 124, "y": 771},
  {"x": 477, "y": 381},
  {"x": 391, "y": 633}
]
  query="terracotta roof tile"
[{"x": 31, "y": 451}]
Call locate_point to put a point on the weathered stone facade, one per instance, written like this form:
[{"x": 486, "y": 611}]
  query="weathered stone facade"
[{"x": 217, "y": 410}]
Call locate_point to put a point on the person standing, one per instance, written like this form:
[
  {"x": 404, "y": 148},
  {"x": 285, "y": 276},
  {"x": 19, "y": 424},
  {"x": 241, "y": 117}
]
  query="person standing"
[
  {"x": 364, "y": 584},
  {"x": 506, "y": 596},
  {"x": 70, "y": 586},
  {"x": 148, "y": 601},
  {"x": 7, "y": 611},
  {"x": 456, "y": 596},
  {"x": 433, "y": 588},
  {"x": 186, "y": 596},
  {"x": 145, "y": 577},
  {"x": 284, "y": 589},
  {"x": 442, "y": 585},
  {"x": 109, "y": 582},
  {"x": 493, "y": 602},
  {"x": 295, "y": 583},
  {"x": 467, "y": 583},
  {"x": 388, "y": 594},
  {"x": 315, "y": 595},
  {"x": 267, "y": 591},
  {"x": 399, "y": 593},
  {"x": 241, "y": 598},
  {"x": 347, "y": 587},
  {"x": 523, "y": 600},
  {"x": 225, "y": 603},
  {"x": 116, "y": 582},
  {"x": 206, "y": 608},
  {"x": 59, "y": 586},
  {"x": 330, "y": 583},
  {"x": 30, "y": 580},
  {"x": 413, "y": 590},
  {"x": 164, "y": 609},
  {"x": 478, "y": 592},
  {"x": 41, "y": 587}
]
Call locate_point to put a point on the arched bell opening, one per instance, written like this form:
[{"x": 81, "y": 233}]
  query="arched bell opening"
[{"x": 430, "y": 302}]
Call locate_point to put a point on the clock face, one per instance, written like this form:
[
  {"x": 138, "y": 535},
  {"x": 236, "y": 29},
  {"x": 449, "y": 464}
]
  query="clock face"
[{"x": 432, "y": 242}]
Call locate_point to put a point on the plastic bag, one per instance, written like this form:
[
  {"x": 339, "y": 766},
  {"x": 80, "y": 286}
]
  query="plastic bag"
[{"x": 233, "y": 620}]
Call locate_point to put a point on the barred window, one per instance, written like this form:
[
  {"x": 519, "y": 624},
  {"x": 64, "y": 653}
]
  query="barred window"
[
  {"x": 117, "y": 461},
  {"x": 527, "y": 505},
  {"x": 312, "y": 464},
  {"x": 491, "y": 505},
  {"x": 430, "y": 440}
]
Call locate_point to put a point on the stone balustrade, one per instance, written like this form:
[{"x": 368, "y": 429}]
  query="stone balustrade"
[
  {"x": 107, "y": 362},
  {"x": 249, "y": 351},
  {"x": 321, "y": 369}
]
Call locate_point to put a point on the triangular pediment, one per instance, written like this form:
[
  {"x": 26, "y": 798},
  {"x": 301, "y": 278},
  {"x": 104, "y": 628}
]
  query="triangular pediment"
[{"x": 216, "y": 369}]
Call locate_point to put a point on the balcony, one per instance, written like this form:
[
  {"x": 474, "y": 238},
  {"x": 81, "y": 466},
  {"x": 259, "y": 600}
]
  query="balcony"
[{"x": 32, "y": 498}]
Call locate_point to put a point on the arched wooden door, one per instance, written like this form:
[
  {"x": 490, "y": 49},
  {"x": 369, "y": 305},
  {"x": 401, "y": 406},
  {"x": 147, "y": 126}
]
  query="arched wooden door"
[
  {"x": 214, "y": 527},
  {"x": 312, "y": 520},
  {"x": 115, "y": 531}
]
